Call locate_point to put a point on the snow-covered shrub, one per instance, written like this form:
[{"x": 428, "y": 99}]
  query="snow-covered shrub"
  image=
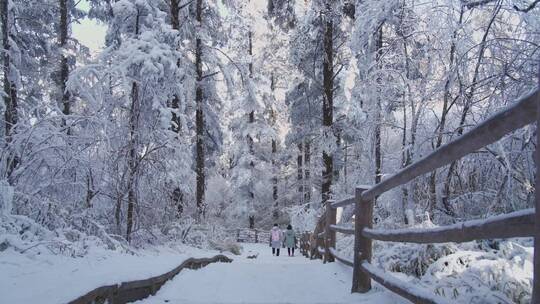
[
  {"x": 497, "y": 276},
  {"x": 410, "y": 259},
  {"x": 226, "y": 245},
  {"x": 25, "y": 236},
  {"x": 480, "y": 272}
]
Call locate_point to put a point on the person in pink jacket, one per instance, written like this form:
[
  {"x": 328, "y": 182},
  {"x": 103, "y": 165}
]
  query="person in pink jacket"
[{"x": 276, "y": 239}]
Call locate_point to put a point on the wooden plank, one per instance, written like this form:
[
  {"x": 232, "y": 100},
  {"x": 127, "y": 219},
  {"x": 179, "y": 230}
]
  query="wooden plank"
[
  {"x": 344, "y": 202},
  {"x": 318, "y": 237},
  {"x": 406, "y": 290},
  {"x": 343, "y": 260},
  {"x": 362, "y": 245},
  {"x": 515, "y": 224},
  {"x": 512, "y": 118},
  {"x": 330, "y": 235},
  {"x": 342, "y": 229}
]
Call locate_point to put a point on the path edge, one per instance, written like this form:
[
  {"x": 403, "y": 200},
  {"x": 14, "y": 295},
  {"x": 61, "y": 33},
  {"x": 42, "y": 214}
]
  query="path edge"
[{"x": 131, "y": 291}]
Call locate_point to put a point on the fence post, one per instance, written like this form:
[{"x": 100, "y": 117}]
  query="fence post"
[
  {"x": 238, "y": 235},
  {"x": 536, "y": 258},
  {"x": 256, "y": 237},
  {"x": 329, "y": 234},
  {"x": 363, "y": 218}
]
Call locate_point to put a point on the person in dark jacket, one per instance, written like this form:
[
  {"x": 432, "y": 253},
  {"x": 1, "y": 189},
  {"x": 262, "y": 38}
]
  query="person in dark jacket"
[{"x": 290, "y": 240}]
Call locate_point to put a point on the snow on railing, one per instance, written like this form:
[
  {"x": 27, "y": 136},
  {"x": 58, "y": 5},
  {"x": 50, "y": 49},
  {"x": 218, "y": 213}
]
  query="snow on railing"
[
  {"x": 515, "y": 224},
  {"x": 342, "y": 229},
  {"x": 340, "y": 258},
  {"x": 132, "y": 291},
  {"x": 322, "y": 242},
  {"x": 343, "y": 202},
  {"x": 404, "y": 289}
]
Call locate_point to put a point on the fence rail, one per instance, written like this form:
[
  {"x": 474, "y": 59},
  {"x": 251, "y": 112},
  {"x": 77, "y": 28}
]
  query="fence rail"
[
  {"x": 342, "y": 229},
  {"x": 321, "y": 243},
  {"x": 249, "y": 235},
  {"x": 515, "y": 224},
  {"x": 131, "y": 291}
]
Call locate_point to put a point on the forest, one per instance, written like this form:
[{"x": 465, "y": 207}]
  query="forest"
[{"x": 200, "y": 117}]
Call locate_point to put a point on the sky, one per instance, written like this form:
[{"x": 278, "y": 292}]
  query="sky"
[{"x": 89, "y": 32}]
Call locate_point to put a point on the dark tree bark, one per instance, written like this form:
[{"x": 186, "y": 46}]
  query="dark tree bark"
[
  {"x": 64, "y": 65},
  {"x": 133, "y": 139},
  {"x": 132, "y": 160},
  {"x": 405, "y": 159},
  {"x": 274, "y": 149},
  {"x": 300, "y": 170},
  {"x": 175, "y": 103},
  {"x": 90, "y": 189},
  {"x": 275, "y": 178},
  {"x": 307, "y": 172},
  {"x": 328, "y": 102},
  {"x": 10, "y": 89},
  {"x": 378, "y": 114},
  {"x": 338, "y": 161},
  {"x": 251, "y": 120},
  {"x": 199, "y": 120},
  {"x": 176, "y": 127}
]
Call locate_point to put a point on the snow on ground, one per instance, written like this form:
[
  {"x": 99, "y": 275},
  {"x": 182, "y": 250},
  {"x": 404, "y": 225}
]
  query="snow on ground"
[
  {"x": 48, "y": 278},
  {"x": 267, "y": 279}
]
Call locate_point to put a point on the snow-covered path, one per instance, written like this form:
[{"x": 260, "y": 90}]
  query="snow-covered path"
[{"x": 267, "y": 279}]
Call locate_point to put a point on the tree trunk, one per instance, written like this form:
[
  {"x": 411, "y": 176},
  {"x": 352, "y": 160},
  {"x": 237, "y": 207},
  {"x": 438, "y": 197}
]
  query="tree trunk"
[
  {"x": 445, "y": 110},
  {"x": 176, "y": 124},
  {"x": 408, "y": 145},
  {"x": 133, "y": 141},
  {"x": 274, "y": 148},
  {"x": 199, "y": 120},
  {"x": 466, "y": 107},
  {"x": 275, "y": 178},
  {"x": 300, "y": 170},
  {"x": 64, "y": 66},
  {"x": 175, "y": 103},
  {"x": 404, "y": 163},
  {"x": 337, "y": 162},
  {"x": 328, "y": 103},
  {"x": 10, "y": 89},
  {"x": 378, "y": 114},
  {"x": 132, "y": 161},
  {"x": 307, "y": 172}
]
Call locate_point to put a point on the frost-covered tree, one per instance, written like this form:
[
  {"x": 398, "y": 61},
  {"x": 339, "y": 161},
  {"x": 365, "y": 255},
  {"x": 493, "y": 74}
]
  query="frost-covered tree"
[{"x": 318, "y": 54}]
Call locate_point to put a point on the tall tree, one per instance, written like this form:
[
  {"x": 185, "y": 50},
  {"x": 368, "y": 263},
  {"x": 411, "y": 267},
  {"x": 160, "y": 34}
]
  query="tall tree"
[
  {"x": 64, "y": 64},
  {"x": 328, "y": 99},
  {"x": 199, "y": 119},
  {"x": 11, "y": 116}
]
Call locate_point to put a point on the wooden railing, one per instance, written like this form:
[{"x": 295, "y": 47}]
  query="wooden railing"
[
  {"x": 248, "y": 235},
  {"x": 127, "y": 292},
  {"x": 524, "y": 223}
]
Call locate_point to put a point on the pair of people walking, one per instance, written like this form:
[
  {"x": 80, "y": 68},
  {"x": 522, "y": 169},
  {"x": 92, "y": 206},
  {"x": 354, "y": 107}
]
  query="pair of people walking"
[{"x": 279, "y": 238}]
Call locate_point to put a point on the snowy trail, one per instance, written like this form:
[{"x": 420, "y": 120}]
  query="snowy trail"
[{"x": 267, "y": 279}]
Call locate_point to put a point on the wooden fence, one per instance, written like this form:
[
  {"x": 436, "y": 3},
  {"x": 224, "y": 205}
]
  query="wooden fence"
[
  {"x": 248, "y": 235},
  {"x": 524, "y": 223}
]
